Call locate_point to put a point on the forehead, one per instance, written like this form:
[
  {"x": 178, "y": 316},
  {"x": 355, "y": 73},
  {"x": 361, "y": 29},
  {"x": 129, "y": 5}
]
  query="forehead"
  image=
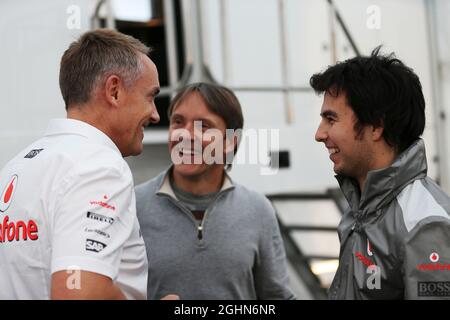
[
  {"x": 194, "y": 106},
  {"x": 150, "y": 72},
  {"x": 192, "y": 103},
  {"x": 338, "y": 105}
]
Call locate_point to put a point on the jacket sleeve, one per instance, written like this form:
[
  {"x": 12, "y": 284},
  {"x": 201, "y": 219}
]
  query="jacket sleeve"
[
  {"x": 426, "y": 264},
  {"x": 270, "y": 273}
]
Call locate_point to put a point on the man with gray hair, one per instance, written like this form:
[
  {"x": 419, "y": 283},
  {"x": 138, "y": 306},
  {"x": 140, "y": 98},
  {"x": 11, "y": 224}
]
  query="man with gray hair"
[{"x": 68, "y": 226}]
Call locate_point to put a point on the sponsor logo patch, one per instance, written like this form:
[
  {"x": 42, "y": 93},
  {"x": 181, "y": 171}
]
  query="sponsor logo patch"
[
  {"x": 33, "y": 153},
  {"x": 8, "y": 193},
  {"x": 15, "y": 230},
  {"x": 99, "y": 232},
  {"x": 435, "y": 265},
  {"x": 94, "y": 246},
  {"x": 18, "y": 231},
  {"x": 433, "y": 288},
  {"x": 99, "y": 217},
  {"x": 434, "y": 257},
  {"x": 103, "y": 204}
]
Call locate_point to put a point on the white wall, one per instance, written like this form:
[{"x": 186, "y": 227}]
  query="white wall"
[
  {"x": 443, "y": 52},
  {"x": 403, "y": 30},
  {"x": 255, "y": 60},
  {"x": 33, "y": 37}
]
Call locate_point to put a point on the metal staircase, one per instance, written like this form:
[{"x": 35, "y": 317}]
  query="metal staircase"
[{"x": 308, "y": 224}]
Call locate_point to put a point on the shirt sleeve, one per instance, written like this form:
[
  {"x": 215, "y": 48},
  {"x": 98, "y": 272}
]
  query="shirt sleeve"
[
  {"x": 271, "y": 277},
  {"x": 426, "y": 263},
  {"x": 92, "y": 219}
]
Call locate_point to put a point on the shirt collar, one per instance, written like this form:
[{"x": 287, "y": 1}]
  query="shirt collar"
[{"x": 77, "y": 127}]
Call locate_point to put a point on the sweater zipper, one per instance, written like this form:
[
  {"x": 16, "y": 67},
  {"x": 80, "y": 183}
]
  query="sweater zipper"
[
  {"x": 199, "y": 226},
  {"x": 200, "y": 232},
  {"x": 186, "y": 211}
]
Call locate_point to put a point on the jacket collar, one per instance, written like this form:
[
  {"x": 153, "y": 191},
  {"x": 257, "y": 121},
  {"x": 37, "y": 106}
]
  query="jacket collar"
[
  {"x": 383, "y": 185},
  {"x": 166, "y": 189}
]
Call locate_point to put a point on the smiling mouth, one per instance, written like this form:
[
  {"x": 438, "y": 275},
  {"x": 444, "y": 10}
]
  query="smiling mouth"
[
  {"x": 145, "y": 125},
  {"x": 188, "y": 152},
  {"x": 332, "y": 151}
]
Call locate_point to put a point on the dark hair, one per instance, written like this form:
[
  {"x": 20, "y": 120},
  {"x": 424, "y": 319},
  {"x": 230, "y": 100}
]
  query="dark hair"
[
  {"x": 219, "y": 100},
  {"x": 382, "y": 91},
  {"x": 93, "y": 57}
]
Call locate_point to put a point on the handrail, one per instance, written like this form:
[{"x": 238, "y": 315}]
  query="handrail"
[
  {"x": 344, "y": 28},
  {"x": 299, "y": 260}
]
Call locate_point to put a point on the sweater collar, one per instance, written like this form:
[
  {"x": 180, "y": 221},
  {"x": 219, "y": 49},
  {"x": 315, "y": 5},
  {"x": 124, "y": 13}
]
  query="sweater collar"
[{"x": 166, "y": 189}]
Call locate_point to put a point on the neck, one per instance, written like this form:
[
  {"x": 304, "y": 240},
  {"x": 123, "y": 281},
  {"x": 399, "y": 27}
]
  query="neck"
[
  {"x": 209, "y": 182},
  {"x": 90, "y": 115},
  {"x": 382, "y": 157}
]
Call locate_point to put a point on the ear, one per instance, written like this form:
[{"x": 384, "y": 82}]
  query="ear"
[
  {"x": 113, "y": 90},
  {"x": 377, "y": 133}
]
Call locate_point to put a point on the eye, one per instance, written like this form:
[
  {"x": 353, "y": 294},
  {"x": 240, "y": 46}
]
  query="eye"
[
  {"x": 175, "y": 121},
  {"x": 331, "y": 120}
]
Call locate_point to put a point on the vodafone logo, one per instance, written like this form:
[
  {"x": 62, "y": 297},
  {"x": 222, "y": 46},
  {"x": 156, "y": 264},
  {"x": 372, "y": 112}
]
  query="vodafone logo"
[
  {"x": 7, "y": 195},
  {"x": 434, "y": 257},
  {"x": 435, "y": 265},
  {"x": 15, "y": 230}
]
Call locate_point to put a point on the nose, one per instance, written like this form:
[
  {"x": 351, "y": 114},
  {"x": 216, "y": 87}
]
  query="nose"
[
  {"x": 154, "y": 117},
  {"x": 321, "y": 133},
  {"x": 195, "y": 129}
]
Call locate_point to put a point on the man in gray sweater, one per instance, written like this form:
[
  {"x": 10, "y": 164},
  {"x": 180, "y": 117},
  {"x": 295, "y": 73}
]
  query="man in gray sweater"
[{"x": 206, "y": 236}]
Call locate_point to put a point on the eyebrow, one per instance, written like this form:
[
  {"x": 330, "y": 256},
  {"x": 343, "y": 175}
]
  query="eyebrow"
[
  {"x": 208, "y": 121},
  {"x": 175, "y": 115},
  {"x": 328, "y": 113},
  {"x": 205, "y": 120}
]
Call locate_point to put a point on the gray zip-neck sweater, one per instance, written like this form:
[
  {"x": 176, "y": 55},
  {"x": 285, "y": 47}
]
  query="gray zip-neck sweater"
[{"x": 236, "y": 252}]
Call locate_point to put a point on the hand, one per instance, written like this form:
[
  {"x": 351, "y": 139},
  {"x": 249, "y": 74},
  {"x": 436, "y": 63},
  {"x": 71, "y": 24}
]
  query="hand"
[{"x": 171, "y": 297}]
